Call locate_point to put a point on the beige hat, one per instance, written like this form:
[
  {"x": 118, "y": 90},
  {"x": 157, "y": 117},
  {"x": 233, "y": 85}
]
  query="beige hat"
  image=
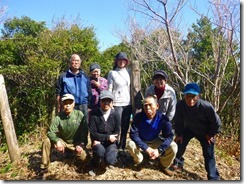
[{"x": 67, "y": 97}]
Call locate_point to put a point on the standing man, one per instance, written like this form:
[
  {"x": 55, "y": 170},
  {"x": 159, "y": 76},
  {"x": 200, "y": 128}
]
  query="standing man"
[
  {"x": 197, "y": 118},
  {"x": 74, "y": 81},
  {"x": 67, "y": 132},
  {"x": 164, "y": 92},
  {"x": 151, "y": 132}
]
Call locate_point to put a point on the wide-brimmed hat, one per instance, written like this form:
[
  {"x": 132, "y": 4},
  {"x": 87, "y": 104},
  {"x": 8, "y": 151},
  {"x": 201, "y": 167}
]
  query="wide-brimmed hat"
[
  {"x": 192, "y": 88},
  {"x": 121, "y": 55}
]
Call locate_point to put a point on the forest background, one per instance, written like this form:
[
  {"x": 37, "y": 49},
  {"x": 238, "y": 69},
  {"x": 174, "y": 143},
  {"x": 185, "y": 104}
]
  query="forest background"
[{"x": 32, "y": 57}]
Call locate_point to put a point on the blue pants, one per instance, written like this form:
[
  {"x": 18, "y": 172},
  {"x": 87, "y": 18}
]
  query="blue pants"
[
  {"x": 208, "y": 153},
  {"x": 105, "y": 152},
  {"x": 123, "y": 112}
]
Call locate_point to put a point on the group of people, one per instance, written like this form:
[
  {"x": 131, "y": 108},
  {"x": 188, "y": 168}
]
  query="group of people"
[{"x": 99, "y": 108}]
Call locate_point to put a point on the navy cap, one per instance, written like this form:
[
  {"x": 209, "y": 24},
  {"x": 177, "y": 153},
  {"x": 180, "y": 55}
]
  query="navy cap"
[
  {"x": 161, "y": 73},
  {"x": 106, "y": 94},
  {"x": 192, "y": 88}
]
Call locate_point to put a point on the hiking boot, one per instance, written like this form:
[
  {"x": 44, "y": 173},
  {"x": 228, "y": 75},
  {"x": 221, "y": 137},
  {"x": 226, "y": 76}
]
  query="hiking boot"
[
  {"x": 110, "y": 167},
  {"x": 92, "y": 172},
  {"x": 176, "y": 168},
  {"x": 138, "y": 167},
  {"x": 44, "y": 167},
  {"x": 167, "y": 172}
]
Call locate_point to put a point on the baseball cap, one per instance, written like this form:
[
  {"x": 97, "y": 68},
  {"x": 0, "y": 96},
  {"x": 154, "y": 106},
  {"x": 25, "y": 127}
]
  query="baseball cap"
[
  {"x": 106, "y": 94},
  {"x": 192, "y": 88},
  {"x": 94, "y": 66},
  {"x": 67, "y": 97},
  {"x": 161, "y": 73}
]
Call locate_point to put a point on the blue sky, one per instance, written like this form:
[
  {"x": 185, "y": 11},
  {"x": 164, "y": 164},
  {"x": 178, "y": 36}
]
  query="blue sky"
[{"x": 106, "y": 16}]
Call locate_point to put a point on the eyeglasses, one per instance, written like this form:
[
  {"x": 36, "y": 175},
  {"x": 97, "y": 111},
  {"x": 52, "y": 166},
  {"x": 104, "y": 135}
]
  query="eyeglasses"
[{"x": 106, "y": 100}]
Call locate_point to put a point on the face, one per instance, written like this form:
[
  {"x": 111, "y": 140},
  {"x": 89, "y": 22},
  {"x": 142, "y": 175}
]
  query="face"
[
  {"x": 150, "y": 107},
  {"x": 159, "y": 82},
  {"x": 75, "y": 62},
  {"x": 106, "y": 104},
  {"x": 121, "y": 63},
  {"x": 95, "y": 73},
  {"x": 191, "y": 99},
  {"x": 68, "y": 106}
]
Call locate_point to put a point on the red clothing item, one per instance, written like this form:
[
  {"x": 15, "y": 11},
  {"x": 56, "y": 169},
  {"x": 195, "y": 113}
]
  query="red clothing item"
[{"x": 159, "y": 91}]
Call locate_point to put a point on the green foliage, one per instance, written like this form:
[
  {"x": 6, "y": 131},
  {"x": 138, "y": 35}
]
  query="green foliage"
[
  {"x": 32, "y": 57},
  {"x": 3, "y": 148},
  {"x": 6, "y": 169},
  {"x": 23, "y": 26}
]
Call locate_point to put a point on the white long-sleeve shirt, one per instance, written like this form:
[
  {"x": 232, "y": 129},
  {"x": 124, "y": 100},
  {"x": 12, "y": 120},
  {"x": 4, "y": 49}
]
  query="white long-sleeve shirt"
[{"x": 119, "y": 85}]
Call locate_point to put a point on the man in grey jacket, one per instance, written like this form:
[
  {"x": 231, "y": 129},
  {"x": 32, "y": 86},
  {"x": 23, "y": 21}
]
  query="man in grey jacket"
[
  {"x": 164, "y": 92},
  {"x": 197, "y": 118}
]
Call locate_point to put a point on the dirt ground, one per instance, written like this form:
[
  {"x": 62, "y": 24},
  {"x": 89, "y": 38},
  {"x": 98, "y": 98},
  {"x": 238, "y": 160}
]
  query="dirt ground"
[{"x": 28, "y": 168}]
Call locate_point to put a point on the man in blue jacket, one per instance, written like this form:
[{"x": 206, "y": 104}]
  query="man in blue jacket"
[
  {"x": 197, "y": 118},
  {"x": 74, "y": 81},
  {"x": 151, "y": 132}
]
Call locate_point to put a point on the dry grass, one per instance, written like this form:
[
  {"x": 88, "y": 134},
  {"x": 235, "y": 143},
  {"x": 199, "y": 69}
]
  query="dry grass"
[{"x": 66, "y": 169}]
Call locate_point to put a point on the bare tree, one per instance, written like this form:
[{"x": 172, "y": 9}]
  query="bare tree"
[
  {"x": 164, "y": 39},
  {"x": 3, "y": 9},
  {"x": 159, "y": 42},
  {"x": 226, "y": 16}
]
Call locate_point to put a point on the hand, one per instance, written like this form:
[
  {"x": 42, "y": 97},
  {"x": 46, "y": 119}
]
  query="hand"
[
  {"x": 155, "y": 154},
  {"x": 150, "y": 151},
  {"x": 113, "y": 138},
  {"x": 178, "y": 139},
  {"x": 79, "y": 149},
  {"x": 96, "y": 83},
  {"x": 209, "y": 139},
  {"x": 59, "y": 146},
  {"x": 95, "y": 143}
]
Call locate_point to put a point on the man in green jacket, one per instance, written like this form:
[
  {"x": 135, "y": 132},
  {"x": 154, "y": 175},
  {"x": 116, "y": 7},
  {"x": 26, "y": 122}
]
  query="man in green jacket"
[{"x": 68, "y": 131}]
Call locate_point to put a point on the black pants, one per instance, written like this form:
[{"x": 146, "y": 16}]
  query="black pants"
[
  {"x": 105, "y": 152},
  {"x": 123, "y": 112}
]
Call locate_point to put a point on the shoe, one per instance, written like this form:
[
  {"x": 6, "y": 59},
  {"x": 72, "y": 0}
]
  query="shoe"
[
  {"x": 91, "y": 173},
  {"x": 167, "y": 172},
  {"x": 110, "y": 167},
  {"x": 176, "y": 168},
  {"x": 44, "y": 166},
  {"x": 138, "y": 167}
]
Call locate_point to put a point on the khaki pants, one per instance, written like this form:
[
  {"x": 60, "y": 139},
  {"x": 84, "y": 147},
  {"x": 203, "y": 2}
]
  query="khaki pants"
[
  {"x": 165, "y": 160},
  {"x": 47, "y": 148}
]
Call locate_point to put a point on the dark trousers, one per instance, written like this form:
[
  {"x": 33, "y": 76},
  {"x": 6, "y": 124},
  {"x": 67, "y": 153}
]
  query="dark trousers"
[
  {"x": 123, "y": 112},
  {"x": 83, "y": 108},
  {"x": 208, "y": 153},
  {"x": 105, "y": 152}
]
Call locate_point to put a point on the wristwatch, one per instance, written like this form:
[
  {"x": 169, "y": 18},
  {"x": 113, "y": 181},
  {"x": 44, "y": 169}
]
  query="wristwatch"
[{"x": 160, "y": 151}]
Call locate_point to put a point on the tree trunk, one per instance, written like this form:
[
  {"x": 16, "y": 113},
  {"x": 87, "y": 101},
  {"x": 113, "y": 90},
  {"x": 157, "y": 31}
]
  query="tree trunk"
[
  {"x": 136, "y": 87},
  {"x": 8, "y": 125}
]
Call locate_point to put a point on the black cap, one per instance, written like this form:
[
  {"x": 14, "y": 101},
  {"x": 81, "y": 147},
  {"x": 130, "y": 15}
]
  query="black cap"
[{"x": 161, "y": 73}]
